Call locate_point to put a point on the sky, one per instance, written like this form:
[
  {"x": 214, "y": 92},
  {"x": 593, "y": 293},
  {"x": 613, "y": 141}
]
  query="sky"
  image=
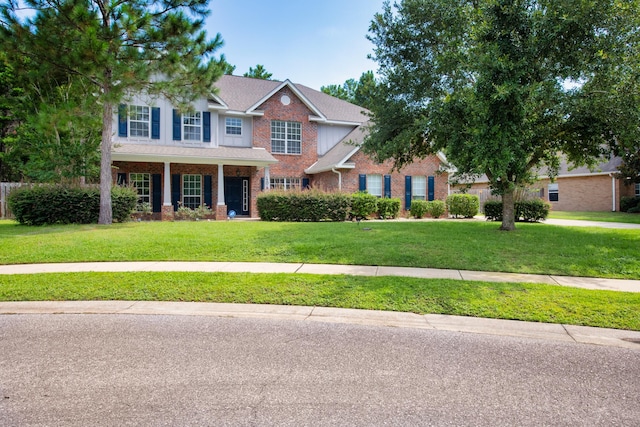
[{"x": 312, "y": 42}]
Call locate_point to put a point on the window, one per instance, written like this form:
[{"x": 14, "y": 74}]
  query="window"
[
  {"x": 233, "y": 126},
  {"x": 419, "y": 188},
  {"x": 286, "y": 137},
  {"x": 553, "y": 192},
  {"x": 285, "y": 183},
  {"x": 139, "y": 121},
  {"x": 142, "y": 182},
  {"x": 374, "y": 185},
  {"x": 192, "y": 191},
  {"x": 637, "y": 190},
  {"x": 192, "y": 126}
]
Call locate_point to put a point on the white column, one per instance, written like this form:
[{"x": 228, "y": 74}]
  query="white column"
[
  {"x": 167, "y": 184},
  {"x": 221, "y": 201},
  {"x": 267, "y": 178}
]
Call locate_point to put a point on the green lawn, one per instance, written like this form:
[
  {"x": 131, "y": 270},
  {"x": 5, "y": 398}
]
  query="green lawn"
[{"x": 597, "y": 216}]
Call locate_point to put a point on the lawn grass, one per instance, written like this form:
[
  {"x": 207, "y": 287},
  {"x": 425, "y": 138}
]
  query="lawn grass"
[
  {"x": 462, "y": 244},
  {"x": 528, "y": 302},
  {"x": 623, "y": 217}
]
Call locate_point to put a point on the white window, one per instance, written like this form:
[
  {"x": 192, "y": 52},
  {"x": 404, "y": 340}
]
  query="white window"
[
  {"x": 192, "y": 126},
  {"x": 286, "y": 137},
  {"x": 233, "y": 126},
  {"x": 192, "y": 191},
  {"x": 637, "y": 190},
  {"x": 419, "y": 187},
  {"x": 553, "y": 192},
  {"x": 374, "y": 185},
  {"x": 142, "y": 182},
  {"x": 282, "y": 183},
  {"x": 139, "y": 121}
]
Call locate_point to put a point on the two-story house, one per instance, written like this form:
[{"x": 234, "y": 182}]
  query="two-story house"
[{"x": 251, "y": 136}]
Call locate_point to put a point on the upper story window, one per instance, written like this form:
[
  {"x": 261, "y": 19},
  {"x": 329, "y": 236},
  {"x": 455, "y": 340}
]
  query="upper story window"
[
  {"x": 419, "y": 188},
  {"x": 192, "y": 126},
  {"x": 233, "y": 126},
  {"x": 286, "y": 137},
  {"x": 139, "y": 121},
  {"x": 374, "y": 185}
]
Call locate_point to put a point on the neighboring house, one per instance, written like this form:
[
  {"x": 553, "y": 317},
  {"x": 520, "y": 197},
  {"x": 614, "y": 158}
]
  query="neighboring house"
[
  {"x": 578, "y": 189},
  {"x": 251, "y": 136}
]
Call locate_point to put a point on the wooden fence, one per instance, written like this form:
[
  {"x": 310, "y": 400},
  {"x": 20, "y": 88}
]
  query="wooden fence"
[{"x": 5, "y": 189}]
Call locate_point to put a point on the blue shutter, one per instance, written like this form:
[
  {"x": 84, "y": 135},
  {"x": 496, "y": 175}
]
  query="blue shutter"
[
  {"x": 407, "y": 192},
  {"x": 155, "y": 123},
  {"x": 305, "y": 183},
  {"x": 206, "y": 126},
  {"x": 362, "y": 182},
  {"x": 261, "y": 184},
  {"x": 175, "y": 191},
  {"x": 387, "y": 186},
  {"x": 177, "y": 126},
  {"x": 208, "y": 197},
  {"x": 122, "y": 120},
  {"x": 431, "y": 188},
  {"x": 122, "y": 178},
  {"x": 156, "y": 192}
]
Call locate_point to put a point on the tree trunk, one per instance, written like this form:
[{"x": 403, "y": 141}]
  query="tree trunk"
[
  {"x": 508, "y": 211},
  {"x": 106, "y": 213}
]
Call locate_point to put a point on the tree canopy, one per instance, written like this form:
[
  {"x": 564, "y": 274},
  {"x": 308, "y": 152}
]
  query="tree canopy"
[
  {"x": 258, "y": 73},
  {"x": 359, "y": 92},
  {"x": 116, "y": 48},
  {"x": 502, "y": 87}
]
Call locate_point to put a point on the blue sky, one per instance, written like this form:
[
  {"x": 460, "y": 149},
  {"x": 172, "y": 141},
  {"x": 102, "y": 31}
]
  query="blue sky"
[{"x": 312, "y": 42}]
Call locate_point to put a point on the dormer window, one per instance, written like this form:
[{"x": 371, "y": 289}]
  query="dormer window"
[{"x": 233, "y": 126}]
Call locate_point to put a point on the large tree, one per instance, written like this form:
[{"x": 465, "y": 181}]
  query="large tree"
[
  {"x": 120, "y": 47},
  {"x": 358, "y": 92},
  {"x": 502, "y": 87},
  {"x": 258, "y": 73}
]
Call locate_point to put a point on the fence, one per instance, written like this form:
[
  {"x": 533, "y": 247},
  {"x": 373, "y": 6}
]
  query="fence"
[{"x": 5, "y": 189}]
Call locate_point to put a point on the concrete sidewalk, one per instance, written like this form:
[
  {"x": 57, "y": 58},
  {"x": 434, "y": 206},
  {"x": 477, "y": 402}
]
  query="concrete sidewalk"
[{"x": 355, "y": 270}]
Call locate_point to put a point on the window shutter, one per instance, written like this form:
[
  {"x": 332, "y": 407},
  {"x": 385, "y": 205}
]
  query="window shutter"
[
  {"x": 305, "y": 183},
  {"x": 387, "y": 186},
  {"x": 122, "y": 178},
  {"x": 407, "y": 192},
  {"x": 177, "y": 126},
  {"x": 156, "y": 192},
  {"x": 175, "y": 191},
  {"x": 122, "y": 120},
  {"x": 362, "y": 182},
  {"x": 155, "y": 123},
  {"x": 206, "y": 126},
  {"x": 208, "y": 199},
  {"x": 431, "y": 188},
  {"x": 261, "y": 184}
]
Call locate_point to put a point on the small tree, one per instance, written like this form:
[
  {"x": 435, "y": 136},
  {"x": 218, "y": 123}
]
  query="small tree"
[{"x": 258, "y": 73}]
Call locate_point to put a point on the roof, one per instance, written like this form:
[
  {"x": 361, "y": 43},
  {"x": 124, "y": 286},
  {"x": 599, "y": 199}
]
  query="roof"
[{"x": 337, "y": 157}]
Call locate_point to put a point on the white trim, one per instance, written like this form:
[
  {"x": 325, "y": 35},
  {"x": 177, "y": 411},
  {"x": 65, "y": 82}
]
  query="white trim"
[{"x": 333, "y": 122}]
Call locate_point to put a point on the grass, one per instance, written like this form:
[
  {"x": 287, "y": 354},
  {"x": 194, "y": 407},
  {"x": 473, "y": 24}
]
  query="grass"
[
  {"x": 528, "y": 302},
  {"x": 467, "y": 245},
  {"x": 623, "y": 217}
]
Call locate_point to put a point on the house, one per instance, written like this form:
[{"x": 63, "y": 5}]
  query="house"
[
  {"x": 576, "y": 189},
  {"x": 251, "y": 136}
]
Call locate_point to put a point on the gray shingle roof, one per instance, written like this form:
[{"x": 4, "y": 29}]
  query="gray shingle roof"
[
  {"x": 340, "y": 153},
  {"x": 196, "y": 155}
]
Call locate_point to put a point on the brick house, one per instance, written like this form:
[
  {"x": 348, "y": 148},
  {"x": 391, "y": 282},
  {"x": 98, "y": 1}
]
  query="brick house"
[
  {"x": 577, "y": 189},
  {"x": 253, "y": 135}
]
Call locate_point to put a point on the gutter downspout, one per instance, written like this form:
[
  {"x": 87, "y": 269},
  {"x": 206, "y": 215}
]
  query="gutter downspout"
[
  {"x": 339, "y": 178},
  {"x": 613, "y": 192}
]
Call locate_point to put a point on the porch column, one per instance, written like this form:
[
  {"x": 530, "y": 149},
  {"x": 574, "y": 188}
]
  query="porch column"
[
  {"x": 267, "y": 178},
  {"x": 167, "y": 207},
  {"x": 221, "y": 200}
]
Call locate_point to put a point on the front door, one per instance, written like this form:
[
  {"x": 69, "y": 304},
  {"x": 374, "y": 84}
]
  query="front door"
[{"x": 236, "y": 194}]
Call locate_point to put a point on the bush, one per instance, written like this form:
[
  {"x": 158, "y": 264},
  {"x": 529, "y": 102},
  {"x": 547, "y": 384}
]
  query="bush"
[
  {"x": 61, "y": 204},
  {"x": 419, "y": 208},
  {"x": 363, "y": 204},
  {"x": 629, "y": 203},
  {"x": 464, "y": 205},
  {"x": 436, "y": 208},
  {"x": 525, "y": 210},
  {"x": 635, "y": 209},
  {"x": 303, "y": 206},
  {"x": 388, "y": 208}
]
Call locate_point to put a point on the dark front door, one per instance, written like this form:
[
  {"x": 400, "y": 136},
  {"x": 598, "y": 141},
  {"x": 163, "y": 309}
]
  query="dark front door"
[{"x": 236, "y": 194}]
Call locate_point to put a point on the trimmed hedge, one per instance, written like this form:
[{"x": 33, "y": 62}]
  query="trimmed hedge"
[
  {"x": 388, "y": 208},
  {"x": 525, "y": 211},
  {"x": 464, "y": 205},
  {"x": 436, "y": 208},
  {"x": 419, "y": 208},
  {"x": 303, "y": 206},
  {"x": 363, "y": 205},
  {"x": 630, "y": 204},
  {"x": 61, "y": 204}
]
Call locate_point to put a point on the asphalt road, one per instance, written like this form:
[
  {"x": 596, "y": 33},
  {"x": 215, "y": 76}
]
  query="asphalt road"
[{"x": 108, "y": 370}]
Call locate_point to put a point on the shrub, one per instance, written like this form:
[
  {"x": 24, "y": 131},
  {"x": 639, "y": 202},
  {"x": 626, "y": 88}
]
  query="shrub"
[
  {"x": 525, "y": 210},
  {"x": 388, "y": 208},
  {"x": 436, "y": 208},
  {"x": 493, "y": 210},
  {"x": 62, "y": 204},
  {"x": 419, "y": 208},
  {"x": 635, "y": 209},
  {"x": 363, "y": 204},
  {"x": 464, "y": 205},
  {"x": 303, "y": 206},
  {"x": 628, "y": 203}
]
